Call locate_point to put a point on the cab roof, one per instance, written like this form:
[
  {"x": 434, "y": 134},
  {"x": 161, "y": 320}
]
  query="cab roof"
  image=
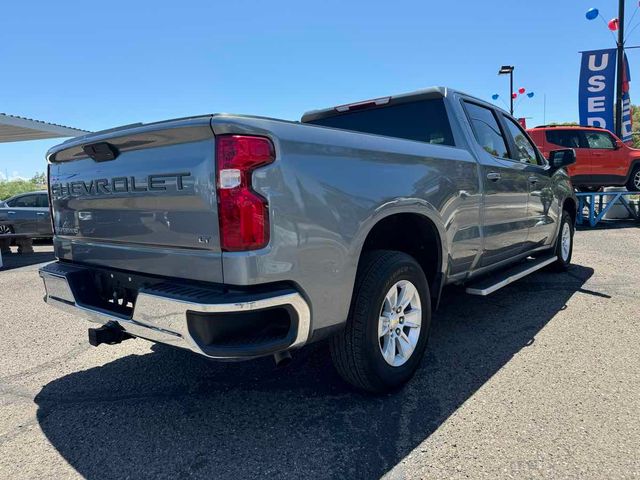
[
  {"x": 568, "y": 127},
  {"x": 427, "y": 93}
]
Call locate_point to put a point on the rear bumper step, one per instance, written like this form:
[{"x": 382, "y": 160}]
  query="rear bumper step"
[
  {"x": 502, "y": 278},
  {"x": 216, "y": 324}
]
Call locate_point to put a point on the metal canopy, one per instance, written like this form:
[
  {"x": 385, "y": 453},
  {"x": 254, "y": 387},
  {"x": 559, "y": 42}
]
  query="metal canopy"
[{"x": 18, "y": 129}]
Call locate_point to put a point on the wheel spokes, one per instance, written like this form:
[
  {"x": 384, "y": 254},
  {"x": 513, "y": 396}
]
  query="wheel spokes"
[
  {"x": 389, "y": 349},
  {"x": 383, "y": 326},
  {"x": 406, "y": 295},
  {"x": 391, "y": 300},
  {"x": 404, "y": 346},
  {"x": 413, "y": 318}
]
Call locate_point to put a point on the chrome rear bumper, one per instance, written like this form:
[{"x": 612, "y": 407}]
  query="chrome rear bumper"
[{"x": 160, "y": 311}]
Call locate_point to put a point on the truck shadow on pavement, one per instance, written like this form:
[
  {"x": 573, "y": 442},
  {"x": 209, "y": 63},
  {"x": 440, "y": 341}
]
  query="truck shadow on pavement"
[
  {"x": 13, "y": 260},
  {"x": 174, "y": 414},
  {"x": 19, "y": 260}
]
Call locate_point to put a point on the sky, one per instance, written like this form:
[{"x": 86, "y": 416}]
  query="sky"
[{"x": 96, "y": 65}]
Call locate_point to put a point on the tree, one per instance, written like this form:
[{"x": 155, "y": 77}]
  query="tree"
[
  {"x": 14, "y": 187},
  {"x": 635, "y": 126},
  {"x": 39, "y": 179}
]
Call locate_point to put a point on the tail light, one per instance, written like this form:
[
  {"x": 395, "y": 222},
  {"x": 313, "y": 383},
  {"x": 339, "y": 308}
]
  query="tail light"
[{"x": 242, "y": 213}]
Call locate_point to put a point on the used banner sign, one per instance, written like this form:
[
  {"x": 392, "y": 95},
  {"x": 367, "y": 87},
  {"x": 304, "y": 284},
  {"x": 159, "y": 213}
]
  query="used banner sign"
[
  {"x": 597, "y": 88},
  {"x": 626, "y": 103},
  {"x": 597, "y": 91}
]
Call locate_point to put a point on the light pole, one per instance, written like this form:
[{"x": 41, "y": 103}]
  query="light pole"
[{"x": 504, "y": 70}]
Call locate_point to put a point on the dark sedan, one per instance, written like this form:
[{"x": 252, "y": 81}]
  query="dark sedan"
[{"x": 26, "y": 213}]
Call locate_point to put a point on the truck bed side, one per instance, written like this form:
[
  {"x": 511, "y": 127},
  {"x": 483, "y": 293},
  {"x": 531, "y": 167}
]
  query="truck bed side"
[{"x": 327, "y": 190}]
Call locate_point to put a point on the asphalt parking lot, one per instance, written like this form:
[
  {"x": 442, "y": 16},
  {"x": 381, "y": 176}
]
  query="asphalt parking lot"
[{"x": 540, "y": 380}]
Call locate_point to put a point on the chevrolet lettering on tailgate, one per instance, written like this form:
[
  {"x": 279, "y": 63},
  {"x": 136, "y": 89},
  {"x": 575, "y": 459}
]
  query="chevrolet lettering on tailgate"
[{"x": 109, "y": 186}]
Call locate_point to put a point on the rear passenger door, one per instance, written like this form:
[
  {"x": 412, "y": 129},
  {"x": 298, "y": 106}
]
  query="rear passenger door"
[
  {"x": 506, "y": 188},
  {"x": 558, "y": 138},
  {"x": 543, "y": 208},
  {"x": 21, "y": 214}
]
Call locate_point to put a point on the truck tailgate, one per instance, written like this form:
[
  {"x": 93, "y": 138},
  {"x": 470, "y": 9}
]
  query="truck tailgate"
[{"x": 141, "y": 198}]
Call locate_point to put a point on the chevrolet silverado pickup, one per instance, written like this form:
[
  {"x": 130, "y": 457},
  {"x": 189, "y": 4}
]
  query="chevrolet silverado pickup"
[{"x": 238, "y": 237}]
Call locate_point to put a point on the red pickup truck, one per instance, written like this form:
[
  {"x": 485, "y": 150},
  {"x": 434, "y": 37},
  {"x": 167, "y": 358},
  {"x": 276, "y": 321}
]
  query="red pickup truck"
[{"x": 602, "y": 160}]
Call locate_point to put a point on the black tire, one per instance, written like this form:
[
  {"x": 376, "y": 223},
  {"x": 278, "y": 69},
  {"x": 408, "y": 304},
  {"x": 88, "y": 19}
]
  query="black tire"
[
  {"x": 633, "y": 184},
  {"x": 356, "y": 350},
  {"x": 564, "y": 260}
]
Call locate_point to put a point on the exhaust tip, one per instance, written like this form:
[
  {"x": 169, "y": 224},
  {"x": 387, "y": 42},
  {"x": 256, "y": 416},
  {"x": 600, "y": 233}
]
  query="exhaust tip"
[{"x": 282, "y": 359}]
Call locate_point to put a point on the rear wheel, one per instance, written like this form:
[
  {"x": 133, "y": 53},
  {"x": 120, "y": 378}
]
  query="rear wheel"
[
  {"x": 4, "y": 245},
  {"x": 633, "y": 184},
  {"x": 564, "y": 243},
  {"x": 386, "y": 332}
]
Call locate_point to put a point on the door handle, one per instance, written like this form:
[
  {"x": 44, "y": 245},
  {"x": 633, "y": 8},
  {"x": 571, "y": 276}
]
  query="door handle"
[
  {"x": 494, "y": 176},
  {"x": 40, "y": 213},
  {"x": 533, "y": 180},
  {"x": 11, "y": 213}
]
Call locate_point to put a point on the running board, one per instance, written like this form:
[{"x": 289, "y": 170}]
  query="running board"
[{"x": 503, "y": 278}]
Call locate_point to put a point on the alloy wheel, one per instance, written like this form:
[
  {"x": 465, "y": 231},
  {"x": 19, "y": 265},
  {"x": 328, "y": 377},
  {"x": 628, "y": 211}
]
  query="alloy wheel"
[
  {"x": 399, "y": 323},
  {"x": 565, "y": 241}
]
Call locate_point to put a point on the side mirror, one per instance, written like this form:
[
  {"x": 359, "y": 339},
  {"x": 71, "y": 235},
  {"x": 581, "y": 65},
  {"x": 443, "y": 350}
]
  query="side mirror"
[
  {"x": 617, "y": 145},
  {"x": 562, "y": 158}
]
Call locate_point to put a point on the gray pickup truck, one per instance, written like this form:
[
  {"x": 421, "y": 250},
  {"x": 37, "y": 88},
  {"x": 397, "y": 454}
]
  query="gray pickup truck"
[{"x": 238, "y": 237}]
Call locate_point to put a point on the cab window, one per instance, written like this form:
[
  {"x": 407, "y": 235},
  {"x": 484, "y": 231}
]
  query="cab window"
[
  {"x": 486, "y": 130},
  {"x": 424, "y": 121},
  {"x": 600, "y": 140},
  {"x": 525, "y": 151}
]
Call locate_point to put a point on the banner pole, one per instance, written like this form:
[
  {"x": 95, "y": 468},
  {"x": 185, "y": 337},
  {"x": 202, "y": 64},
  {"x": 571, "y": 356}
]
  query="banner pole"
[{"x": 619, "y": 75}]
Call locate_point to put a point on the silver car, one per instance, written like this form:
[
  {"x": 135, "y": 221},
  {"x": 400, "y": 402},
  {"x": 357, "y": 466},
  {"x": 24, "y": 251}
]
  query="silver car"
[{"x": 26, "y": 213}]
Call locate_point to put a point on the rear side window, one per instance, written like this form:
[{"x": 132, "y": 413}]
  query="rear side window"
[
  {"x": 600, "y": 140},
  {"x": 486, "y": 130},
  {"x": 43, "y": 201},
  {"x": 424, "y": 121},
  {"x": 565, "y": 138},
  {"x": 24, "y": 202}
]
